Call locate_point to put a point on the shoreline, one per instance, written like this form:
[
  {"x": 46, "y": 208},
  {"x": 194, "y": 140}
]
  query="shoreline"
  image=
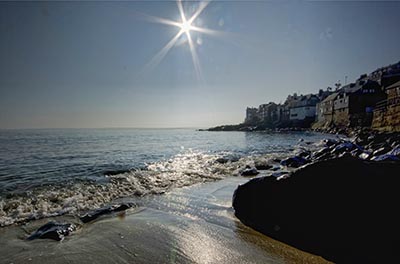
[
  {"x": 194, "y": 224},
  {"x": 363, "y": 145},
  {"x": 185, "y": 168}
]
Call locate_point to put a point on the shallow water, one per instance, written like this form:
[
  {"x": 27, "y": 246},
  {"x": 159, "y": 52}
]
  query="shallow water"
[
  {"x": 46, "y": 173},
  {"x": 186, "y": 225}
]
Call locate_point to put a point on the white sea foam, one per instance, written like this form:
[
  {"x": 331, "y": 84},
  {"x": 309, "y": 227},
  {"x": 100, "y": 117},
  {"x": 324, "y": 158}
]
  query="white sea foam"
[{"x": 182, "y": 170}]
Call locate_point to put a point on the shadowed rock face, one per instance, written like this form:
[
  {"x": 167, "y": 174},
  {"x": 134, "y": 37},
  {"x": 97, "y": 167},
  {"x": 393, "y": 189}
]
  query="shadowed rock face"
[{"x": 345, "y": 210}]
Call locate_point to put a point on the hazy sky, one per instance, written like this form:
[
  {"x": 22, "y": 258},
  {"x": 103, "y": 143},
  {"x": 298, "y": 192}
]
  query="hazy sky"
[{"x": 83, "y": 64}]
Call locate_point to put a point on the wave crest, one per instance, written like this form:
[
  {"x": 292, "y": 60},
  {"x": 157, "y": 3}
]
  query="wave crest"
[{"x": 182, "y": 170}]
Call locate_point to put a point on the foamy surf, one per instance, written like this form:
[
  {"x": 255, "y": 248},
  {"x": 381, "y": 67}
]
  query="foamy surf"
[
  {"x": 186, "y": 168},
  {"x": 182, "y": 170}
]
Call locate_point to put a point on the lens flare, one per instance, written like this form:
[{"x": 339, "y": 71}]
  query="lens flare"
[{"x": 185, "y": 27}]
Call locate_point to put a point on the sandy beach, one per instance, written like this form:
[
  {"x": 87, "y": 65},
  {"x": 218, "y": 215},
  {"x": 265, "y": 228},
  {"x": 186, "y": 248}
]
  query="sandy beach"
[{"x": 187, "y": 225}]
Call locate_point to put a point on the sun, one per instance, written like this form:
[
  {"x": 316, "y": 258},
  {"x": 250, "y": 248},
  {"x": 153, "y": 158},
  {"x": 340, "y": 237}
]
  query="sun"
[{"x": 186, "y": 27}]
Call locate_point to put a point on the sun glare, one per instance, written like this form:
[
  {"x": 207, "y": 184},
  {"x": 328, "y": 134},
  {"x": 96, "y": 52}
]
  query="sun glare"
[{"x": 186, "y": 27}]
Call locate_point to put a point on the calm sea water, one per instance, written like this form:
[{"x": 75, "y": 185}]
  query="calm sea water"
[{"x": 50, "y": 172}]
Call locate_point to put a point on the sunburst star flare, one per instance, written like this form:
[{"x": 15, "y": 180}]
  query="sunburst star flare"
[{"x": 185, "y": 27}]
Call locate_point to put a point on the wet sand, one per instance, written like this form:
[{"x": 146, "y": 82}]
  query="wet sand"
[{"x": 187, "y": 225}]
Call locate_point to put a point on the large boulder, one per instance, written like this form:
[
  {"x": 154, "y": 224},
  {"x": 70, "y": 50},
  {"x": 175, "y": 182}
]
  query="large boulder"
[{"x": 344, "y": 209}]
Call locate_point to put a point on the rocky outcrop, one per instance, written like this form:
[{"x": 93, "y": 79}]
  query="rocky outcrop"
[
  {"x": 343, "y": 209},
  {"x": 374, "y": 147}
]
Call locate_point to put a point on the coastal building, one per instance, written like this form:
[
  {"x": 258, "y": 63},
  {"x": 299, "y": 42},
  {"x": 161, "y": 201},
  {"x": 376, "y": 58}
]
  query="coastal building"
[
  {"x": 387, "y": 112},
  {"x": 303, "y": 107},
  {"x": 251, "y": 115},
  {"x": 325, "y": 110},
  {"x": 322, "y": 94},
  {"x": 268, "y": 114},
  {"x": 353, "y": 106},
  {"x": 393, "y": 94},
  {"x": 386, "y": 76},
  {"x": 361, "y": 103}
]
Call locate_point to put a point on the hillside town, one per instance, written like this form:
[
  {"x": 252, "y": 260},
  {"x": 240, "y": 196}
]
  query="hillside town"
[{"x": 373, "y": 100}]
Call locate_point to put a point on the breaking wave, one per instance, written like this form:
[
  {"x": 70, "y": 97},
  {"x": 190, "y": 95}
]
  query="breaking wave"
[{"x": 182, "y": 170}]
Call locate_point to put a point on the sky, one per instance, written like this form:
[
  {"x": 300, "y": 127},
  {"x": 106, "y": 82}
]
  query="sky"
[{"x": 91, "y": 64}]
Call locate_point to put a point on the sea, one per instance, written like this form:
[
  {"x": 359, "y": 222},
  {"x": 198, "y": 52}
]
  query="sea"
[{"x": 51, "y": 172}]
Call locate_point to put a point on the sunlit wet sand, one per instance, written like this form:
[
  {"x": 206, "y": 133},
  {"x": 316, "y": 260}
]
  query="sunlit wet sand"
[{"x": 188, "y": 225}]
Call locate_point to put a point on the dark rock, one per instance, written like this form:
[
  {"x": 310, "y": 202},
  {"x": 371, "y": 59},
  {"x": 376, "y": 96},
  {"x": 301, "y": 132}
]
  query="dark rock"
[
  {"x": 261, "y": 166},
  {"x": 92, "y": 215},
  {"x": 294, "y": 162},
  {"x": 278, "y": 174},
  {"x": 381, "y": 151},
  {"x": 341, "y": 209},
  {"x": 345, "y": 146},
  {"x": 395, "y": 151},
  {"x": 322, "y": 153},
  {"x": 230, "y": 158},
  {"x": 364, "y": 155},
  {"x": 345, "y": 154},
  {"x": 249, "y": 172},
  {"x": 305, "y": 154},
  {"x": 222, "y": 160},
  {"x": 329, "y": 142},
  {"x": 275, "y": 168},
  {"x": 53, "y": 230},
  {"x": 356, "y": 152},
  {"x": 385, "y": 157}
]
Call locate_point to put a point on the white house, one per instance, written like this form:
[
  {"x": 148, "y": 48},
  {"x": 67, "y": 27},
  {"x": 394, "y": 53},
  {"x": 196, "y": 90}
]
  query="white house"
[{"x": 303, "y": 107}]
